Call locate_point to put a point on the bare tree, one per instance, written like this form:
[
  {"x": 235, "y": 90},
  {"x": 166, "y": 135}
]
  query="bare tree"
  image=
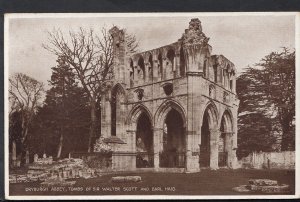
[
  {"x": 91, "y": 57},
  {"x": 25, "y": 94}
]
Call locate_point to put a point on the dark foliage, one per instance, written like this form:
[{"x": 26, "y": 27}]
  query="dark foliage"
[{"x": 267, "y": 101}]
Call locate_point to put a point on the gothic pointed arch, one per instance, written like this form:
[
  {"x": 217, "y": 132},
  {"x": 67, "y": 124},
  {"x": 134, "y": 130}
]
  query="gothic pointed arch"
[
  {"x": 140, "y": 121},
  {"x": 118, "y": 98},
  {"x": 182, "y": 62},
  {"x": 209, "y": 126},
  {"x": 227, "y": 119},
  {"x": 171, "y": 120},
  {"x": 212, "y": 112},
  {"x": 163, "y": 110},
  {"x": 226, "y": 128},
  {"x": 135, "y": 113}
]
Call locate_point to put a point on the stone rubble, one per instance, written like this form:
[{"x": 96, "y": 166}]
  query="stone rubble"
[
  {"x": 264, "y": 186},
  {"x": 55, "y": 173},
  {"x": 262, "y": 182}
]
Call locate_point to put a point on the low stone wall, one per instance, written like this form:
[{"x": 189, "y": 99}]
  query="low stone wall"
[
  {"x": 269, "y": 160},
  {"x": 123, "y": 161},
  {"x": 112, "y": 161},
  {"x": 97, "y": 160}
]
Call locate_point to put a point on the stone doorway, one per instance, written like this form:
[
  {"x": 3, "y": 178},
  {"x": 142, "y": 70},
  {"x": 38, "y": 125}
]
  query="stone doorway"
[
  {"x": 173, "y": 154},
  {"x": 144, "y": 142},
  {"x": 204, "y": 158},
  {"x": 222, "y": 146},
  {"x": 225, "y": 137}
]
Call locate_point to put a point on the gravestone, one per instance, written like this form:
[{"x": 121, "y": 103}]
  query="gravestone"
[
  {"x": 27, "y": 157},
  {"x": 35, "y": 158}
]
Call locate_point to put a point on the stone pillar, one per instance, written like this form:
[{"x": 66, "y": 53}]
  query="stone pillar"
[
  {"x": 232, "y": 159},
  {"x": 105, "y": 116},
  {"x": 157, "y": 144},
  {"x": 176, "y": 66},
  {"x": 214, "y": 152},
  {"x": 234, "y": 85},
  {"x": 131, "y": 135},
  {"x": 192, "y": 156}
]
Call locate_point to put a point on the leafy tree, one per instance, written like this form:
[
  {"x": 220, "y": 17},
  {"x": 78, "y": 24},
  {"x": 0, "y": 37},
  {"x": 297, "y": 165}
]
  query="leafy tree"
[
  {"x": 64, "y": 117},
  {"x": 91, "y": 57},
  {"x": 25, "y": 94},
  {"x": 255, "y": 134},
  {"x": 267, "y": 93}
]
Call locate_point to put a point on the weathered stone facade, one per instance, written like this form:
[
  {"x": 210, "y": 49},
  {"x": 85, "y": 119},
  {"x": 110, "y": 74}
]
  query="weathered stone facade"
[{"x": 175, "y": 107}]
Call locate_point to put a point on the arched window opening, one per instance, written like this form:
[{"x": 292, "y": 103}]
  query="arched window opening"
[
  {"x": 215, "y": 73},
  {"x": 182, "y": 62},
  {"x": 160, "y": 63},
  {"x": 169, "y": 64},
  {"x": 141, "y": 71},
  {"x": 117, "y": 97},
  {"x": 171, "y": 56},
  {"x": 150, "y": 70},
  {"x": 131, "y": 69}
]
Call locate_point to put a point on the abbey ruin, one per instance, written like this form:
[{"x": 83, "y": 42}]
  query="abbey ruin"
[{"x": 174, "y": 107}]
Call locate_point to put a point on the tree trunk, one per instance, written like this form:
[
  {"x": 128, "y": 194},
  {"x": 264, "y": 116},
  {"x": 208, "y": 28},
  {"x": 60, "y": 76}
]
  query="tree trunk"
[
  {"x": 23, "y": 145},
  {"x": 93, "y": 124},
  {"x": 285, "y": 125},
  {"x": 60, "y": 145}
]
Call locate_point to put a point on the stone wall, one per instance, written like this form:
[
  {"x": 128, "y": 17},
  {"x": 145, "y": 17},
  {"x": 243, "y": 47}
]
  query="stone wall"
[
  {"x": 123, "y": 161},
  {"x": 269, "y": 160},
  {"x": 95, "y": 159}
]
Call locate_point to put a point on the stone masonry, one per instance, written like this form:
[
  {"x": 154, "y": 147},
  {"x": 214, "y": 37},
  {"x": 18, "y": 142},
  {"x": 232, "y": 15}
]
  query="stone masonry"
[{"x": 175, "y": 107}]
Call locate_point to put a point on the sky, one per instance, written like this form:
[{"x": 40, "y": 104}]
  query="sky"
[{"x": 244, "y": 40}]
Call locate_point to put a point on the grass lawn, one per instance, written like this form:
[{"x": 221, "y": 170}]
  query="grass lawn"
[{"x": 206, "y": 182}]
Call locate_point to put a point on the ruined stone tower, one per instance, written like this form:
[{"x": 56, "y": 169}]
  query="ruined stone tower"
[{"x": 175, "y": 107}]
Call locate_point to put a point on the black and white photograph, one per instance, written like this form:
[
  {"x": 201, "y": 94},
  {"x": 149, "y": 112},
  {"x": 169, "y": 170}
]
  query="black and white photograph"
[{"x": 150, "y": 105}]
